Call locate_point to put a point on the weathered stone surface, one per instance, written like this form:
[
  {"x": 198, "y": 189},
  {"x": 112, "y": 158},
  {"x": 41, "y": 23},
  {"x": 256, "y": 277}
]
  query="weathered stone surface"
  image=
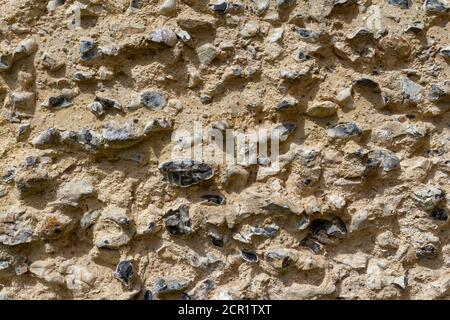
[
  {"x": 113, "y": 229},
  {"x": 230, "y": 149}
]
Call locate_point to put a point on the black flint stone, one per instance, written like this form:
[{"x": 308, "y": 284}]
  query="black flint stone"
[
  {"x": 440, "y": 214},
  {"x": 249, "y": 256},
  {"x": 124, "y": 272}
]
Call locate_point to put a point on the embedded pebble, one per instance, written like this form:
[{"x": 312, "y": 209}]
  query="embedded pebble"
[
  {"x": 186, "y": 173},
  {"x": 129, "y": 128},
  {"x": 124, "y": 272},
  {"x": 344, "y": 131},
  {"x": 177, "y": 221}
]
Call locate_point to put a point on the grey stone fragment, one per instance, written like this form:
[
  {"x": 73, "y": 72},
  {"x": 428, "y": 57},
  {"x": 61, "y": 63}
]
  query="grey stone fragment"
[
  {"x": 429, "y": 197},
  {"x": 89, "y": 218},
  {"x": 415, "y": 27},
  {"x": 367, "y": 83},
  {"x": 325, "y": 231},
  {"x": 284, "y": 130},
  {"x": 170, "y": 285},
  {"x": 384, "y": 159},
  {"x": 445, "y": 52},
  {"x": 404, "y": 4},
  {"x": 435, "y": 7},
  {"x": 185, "y": 173},
  {"x": 152, "y": 100},
  {"x": 249, "y": 256},
  {"x": 344, "y": 130},
  {"x": 124, "y": 272},
  {"x": 163, "y": 37},
  {"x": 88, "y": 49},
  {"x": 58, "y": 102},
  {"x": 49, "y": 137},
  {"x": 14, "y": 227},
  {"x": 411, "y": 91},
  {"x": 177, "y": 221},
  {"x": 24, "y": 49},
  {"x": 308, "y": 35},
  {"x": 119, "y": 132}
]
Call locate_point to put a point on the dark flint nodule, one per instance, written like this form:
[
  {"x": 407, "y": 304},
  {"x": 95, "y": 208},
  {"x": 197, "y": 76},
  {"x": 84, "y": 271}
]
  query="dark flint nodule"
[
  {"x": 220, "y": 7},
  {"x": 185, "y": 173},
  {"x": 218, "y": 242},
  {"x": 343, "y": 3},
  {"x": 249, "y": 256},
  {"x": 59, "y": 101},
  {"x": 384, "y": 159},
  {"x": 440, "y": 214},
  {"x": 285, "y": 105},
  {"x": 136, "y": 4},
  {"x": 124, "y": 272},
  {"x": 286, "y": 260},
  {"x": 31, "y": 161},
  {"x": 404, "y": 4},
  {"x": 302, "y": 56},
  {"x": 185, "y": 296},
  {"x": 205, "y": 99},
  {"x": 307, "y": 35},
  {"x": 277, "y": 208},
  {"x": 87, "y": 49},
  {"x": 326, "y": 230},
  {"x": 153, "y": 100},
  {"x": 428, "y": 251},
  {"x": 177, "y": 221},
  {"x": 214, "y": 199},
  {"x": 311, "y": 244},
  {"x": 9, "y": 175},
  {"x": 165, "y": 286},
  {"x": 435, "y": 7},
  {"x": 108, "y": 103},
  {"x": 344, "y": 130},
  {"x": 148, "y": 295}
]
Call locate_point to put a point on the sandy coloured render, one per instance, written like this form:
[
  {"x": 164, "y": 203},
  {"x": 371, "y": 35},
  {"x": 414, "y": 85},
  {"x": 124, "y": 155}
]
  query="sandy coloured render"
[{"x": 93, "y": 206}]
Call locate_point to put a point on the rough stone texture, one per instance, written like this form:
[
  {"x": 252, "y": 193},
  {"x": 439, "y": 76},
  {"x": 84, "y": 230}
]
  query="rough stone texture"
[{"x": 359, "y": 91}]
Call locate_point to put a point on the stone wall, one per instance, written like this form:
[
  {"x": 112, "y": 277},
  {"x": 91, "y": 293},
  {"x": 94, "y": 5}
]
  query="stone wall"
[{"x": 93, "y": 206}]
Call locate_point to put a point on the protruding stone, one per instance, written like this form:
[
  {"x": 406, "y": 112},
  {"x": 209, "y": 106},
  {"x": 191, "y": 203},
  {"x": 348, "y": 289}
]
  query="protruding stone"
[
  {"x": 124, "y": 273},
  {"x": 404, "y": 4},
  {"x": 411, "y": 91},
  {"x": 288, "y": 103},
  {"x": 207, "y": 53},
  {"x": 344, "y": 130},
  {"x": 24, "y": 49},
  {"x": 46, "y": 138},
  {"x": 178, "y": 222},
  {"x": 435, "y": 7},
  {"x": 429, "y": 197},
  {"x": 321, "y": 109},
  {"x": 445, "y": 52},
  {"x": 71, "y": 193},
  {"x": 367, "y": 83},
  {"x": 57, "y": 102},
  {"x": 170, "y": 285},
  {"x": 163, "y": 36},
  {"x": 440, "y": 92},
  {"x": 384, "y": 159},
  {"x": 114, "y": 228},
  {"x": 186, "y": 173},
  {"x": 152, "y": 100}
]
